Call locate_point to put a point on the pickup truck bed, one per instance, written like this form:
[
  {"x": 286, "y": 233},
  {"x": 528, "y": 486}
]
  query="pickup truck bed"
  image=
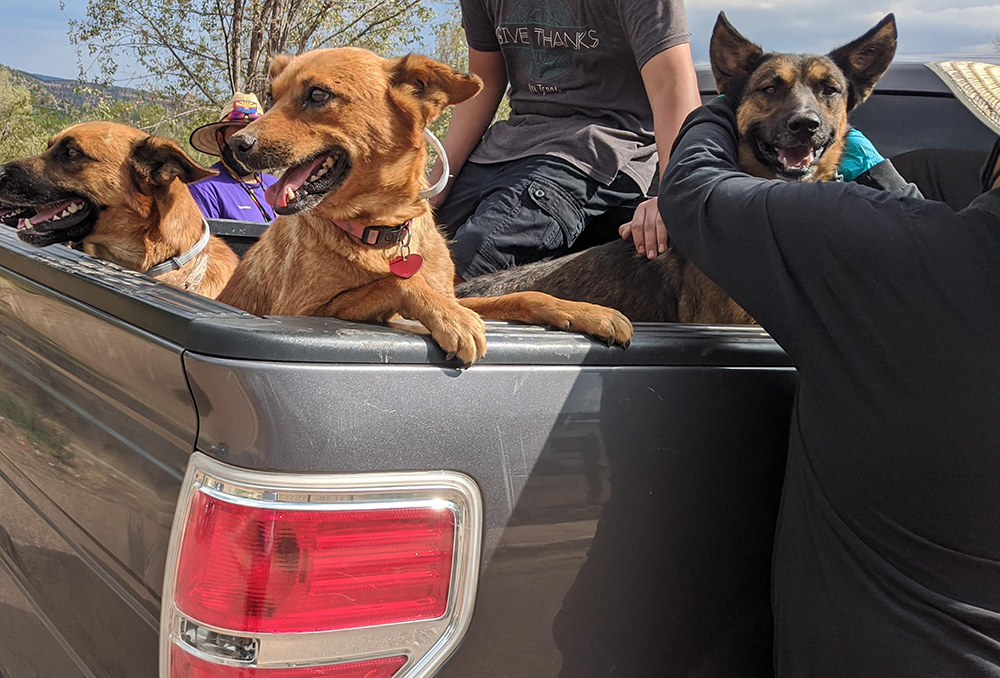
[
  {"x": 628, "y": 497},
  {"x": 670, "y": 453}
]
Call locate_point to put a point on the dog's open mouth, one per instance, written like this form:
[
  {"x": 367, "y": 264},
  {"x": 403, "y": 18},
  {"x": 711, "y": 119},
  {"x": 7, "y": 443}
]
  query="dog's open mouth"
[
  {"x": 304, "y": 185},
  {"x": 10, "y": 215},
  {"x": 65, "y": 221},
  {"x": 793, "y": 163}
]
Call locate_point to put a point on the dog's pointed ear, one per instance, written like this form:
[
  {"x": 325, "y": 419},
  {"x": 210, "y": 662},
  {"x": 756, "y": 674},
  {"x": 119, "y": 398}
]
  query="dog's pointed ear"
[
  {"x": 433, "y": 84},
  {"x": 733, "y": 57},
  {"x": 866, "y": 59},
  {"x": 156, "y": 162},
  {"x": 278, "y": 64}
]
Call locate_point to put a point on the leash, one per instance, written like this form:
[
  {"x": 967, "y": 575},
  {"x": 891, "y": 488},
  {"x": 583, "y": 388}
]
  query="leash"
[
  {"x": 260, "y": 182},
  {"x": 174, "y": 263}
]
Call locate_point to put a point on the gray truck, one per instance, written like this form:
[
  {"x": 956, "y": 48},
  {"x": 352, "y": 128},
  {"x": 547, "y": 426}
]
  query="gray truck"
[{"x": 189, "y": 490}]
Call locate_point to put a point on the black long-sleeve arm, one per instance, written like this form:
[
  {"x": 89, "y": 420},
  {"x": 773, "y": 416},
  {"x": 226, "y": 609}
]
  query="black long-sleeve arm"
[{"x": 789, "y": 252}]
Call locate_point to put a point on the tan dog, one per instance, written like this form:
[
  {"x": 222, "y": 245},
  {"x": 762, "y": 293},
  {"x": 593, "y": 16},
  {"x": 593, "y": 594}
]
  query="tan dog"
[
  {"x": 349, "y": 126},
  {"x": 121, "y": 195}
]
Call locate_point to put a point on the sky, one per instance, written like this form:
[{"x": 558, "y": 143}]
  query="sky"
[{"x": 33, "y": 37}]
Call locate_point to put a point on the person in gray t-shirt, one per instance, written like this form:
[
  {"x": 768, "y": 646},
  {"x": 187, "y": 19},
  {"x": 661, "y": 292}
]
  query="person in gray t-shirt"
[{"x": 596, "y": 88}]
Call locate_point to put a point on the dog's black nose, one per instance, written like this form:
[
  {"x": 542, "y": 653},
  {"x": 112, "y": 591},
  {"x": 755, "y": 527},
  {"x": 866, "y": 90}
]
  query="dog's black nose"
[
  {"x": 243, "y": 142},
  {"x": 803, "y": 122}
]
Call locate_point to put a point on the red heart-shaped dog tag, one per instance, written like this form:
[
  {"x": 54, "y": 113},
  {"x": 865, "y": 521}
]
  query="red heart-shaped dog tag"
[{"x": 405, "y": 268}]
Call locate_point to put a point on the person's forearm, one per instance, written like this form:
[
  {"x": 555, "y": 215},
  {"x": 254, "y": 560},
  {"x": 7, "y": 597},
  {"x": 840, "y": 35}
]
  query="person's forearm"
[
  {"x": 673, "y": 111},
  {"x": 469, "y": 122},
  {"x": 672, "y": 88},
  {"x": 471, "y": 118}
]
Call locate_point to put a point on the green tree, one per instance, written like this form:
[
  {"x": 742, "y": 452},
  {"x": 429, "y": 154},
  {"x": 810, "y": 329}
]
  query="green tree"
[
  {"x": 21, "y": 132},
  {"x": 203, "y": 50}
]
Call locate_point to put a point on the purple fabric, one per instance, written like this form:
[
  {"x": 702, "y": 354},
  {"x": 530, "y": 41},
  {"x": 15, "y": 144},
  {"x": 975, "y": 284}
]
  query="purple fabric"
[{"x": 222, "y": 197}]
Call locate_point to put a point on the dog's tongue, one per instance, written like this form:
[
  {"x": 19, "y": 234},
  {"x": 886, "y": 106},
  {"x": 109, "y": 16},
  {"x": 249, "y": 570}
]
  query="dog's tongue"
[
  {"x": 796, "y": 156},
  {"x": 49, "y": 213},
  {"x": 277, "y": 194}
]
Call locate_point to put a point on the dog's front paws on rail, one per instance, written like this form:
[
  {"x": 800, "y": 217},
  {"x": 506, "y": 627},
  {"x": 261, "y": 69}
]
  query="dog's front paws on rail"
[
  {"x": 600, "y": 322},
  {"x": 459, "y": 332}
]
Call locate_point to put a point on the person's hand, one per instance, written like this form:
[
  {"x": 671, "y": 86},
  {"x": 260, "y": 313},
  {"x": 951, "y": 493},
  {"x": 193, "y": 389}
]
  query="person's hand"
[
  {"x": 860, "y": 155},
  {"x": 646, "y": 229}
]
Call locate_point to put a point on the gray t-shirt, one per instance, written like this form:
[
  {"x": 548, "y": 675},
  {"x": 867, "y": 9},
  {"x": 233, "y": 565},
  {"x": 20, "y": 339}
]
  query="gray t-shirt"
[{"x": 576, "y": 92}]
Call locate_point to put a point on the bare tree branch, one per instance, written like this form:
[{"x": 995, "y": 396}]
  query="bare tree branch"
[
  {"x": 357, "y": 20},
  {"x": 157, "y": 125},
  {"x": 173, "y": 51},
  {"x": 372, "y": 26},
  {"x": 236, "y": 54}
]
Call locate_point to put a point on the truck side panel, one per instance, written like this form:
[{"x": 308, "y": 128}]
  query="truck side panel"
[
  {"x": 96, "y": 425},
  {"x": 629, "y": 511}
]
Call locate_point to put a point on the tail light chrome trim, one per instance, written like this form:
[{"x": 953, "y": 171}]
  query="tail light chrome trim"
[{"x": 426, "y": 643}]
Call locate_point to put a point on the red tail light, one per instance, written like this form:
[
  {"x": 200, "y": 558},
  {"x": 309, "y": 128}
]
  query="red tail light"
[
  {"x": 252, "y": 569},
  {"x": 189, "y": 666},
  {"x": 305, "y": 576}
]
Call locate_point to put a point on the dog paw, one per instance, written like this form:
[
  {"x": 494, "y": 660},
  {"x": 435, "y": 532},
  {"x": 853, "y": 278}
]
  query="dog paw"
[
  {"x": 459, "y": 332},
  {"x": 600, "y": 322}
]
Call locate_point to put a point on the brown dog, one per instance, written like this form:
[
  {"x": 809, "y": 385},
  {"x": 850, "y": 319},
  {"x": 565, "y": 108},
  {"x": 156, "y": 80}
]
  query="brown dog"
[
  {"x": 791, "y": 115},
  {"x": 349, "y": 126},
  {"x": 120, "y": 194}
]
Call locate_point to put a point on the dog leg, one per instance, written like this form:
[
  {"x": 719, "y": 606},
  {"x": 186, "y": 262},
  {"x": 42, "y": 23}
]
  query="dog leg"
[
  {"x": 537, "y": 308},
  {"x": 458, "y": 331}
]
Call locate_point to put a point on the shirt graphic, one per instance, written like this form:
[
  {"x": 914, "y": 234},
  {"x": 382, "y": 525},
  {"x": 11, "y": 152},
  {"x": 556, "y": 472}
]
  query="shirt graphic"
[{"x": 545, "y": 38}]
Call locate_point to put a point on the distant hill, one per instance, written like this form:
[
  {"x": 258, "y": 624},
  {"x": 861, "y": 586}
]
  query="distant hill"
[
  {"x": 43, "y": 78},
  {"x": 69, "y": 96}
]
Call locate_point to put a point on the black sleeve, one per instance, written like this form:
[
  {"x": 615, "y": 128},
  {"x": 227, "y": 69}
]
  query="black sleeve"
[
  {"x": 885, "y": 177},
  {"x": 779, "y": 248}
]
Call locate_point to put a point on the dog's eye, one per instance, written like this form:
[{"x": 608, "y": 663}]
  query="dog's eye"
[
  {"x": 318, "y": 96},
  {"x": 830, "y": 90},
  {"x": 72, "y": 152},
  {"x": 769, "y": 90}
]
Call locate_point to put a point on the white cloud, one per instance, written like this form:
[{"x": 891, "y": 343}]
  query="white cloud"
[{"x": 925, "y": 26}]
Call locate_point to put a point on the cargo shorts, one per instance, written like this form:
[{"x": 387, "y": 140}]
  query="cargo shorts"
[{"x": 502, "y": 215}]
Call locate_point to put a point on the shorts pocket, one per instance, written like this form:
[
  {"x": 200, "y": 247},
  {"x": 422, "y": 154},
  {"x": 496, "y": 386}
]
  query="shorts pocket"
[
  {"x": 554, "y": 201},
  {"x": 540, "y": 224}
]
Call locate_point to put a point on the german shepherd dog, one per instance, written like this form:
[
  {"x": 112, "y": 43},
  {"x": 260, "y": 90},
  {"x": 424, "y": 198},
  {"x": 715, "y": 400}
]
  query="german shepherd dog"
[
  {"x": 792, "y": 119},
  {"x": 355, "y": 239},
  {"x": 119, "y": 195}
]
